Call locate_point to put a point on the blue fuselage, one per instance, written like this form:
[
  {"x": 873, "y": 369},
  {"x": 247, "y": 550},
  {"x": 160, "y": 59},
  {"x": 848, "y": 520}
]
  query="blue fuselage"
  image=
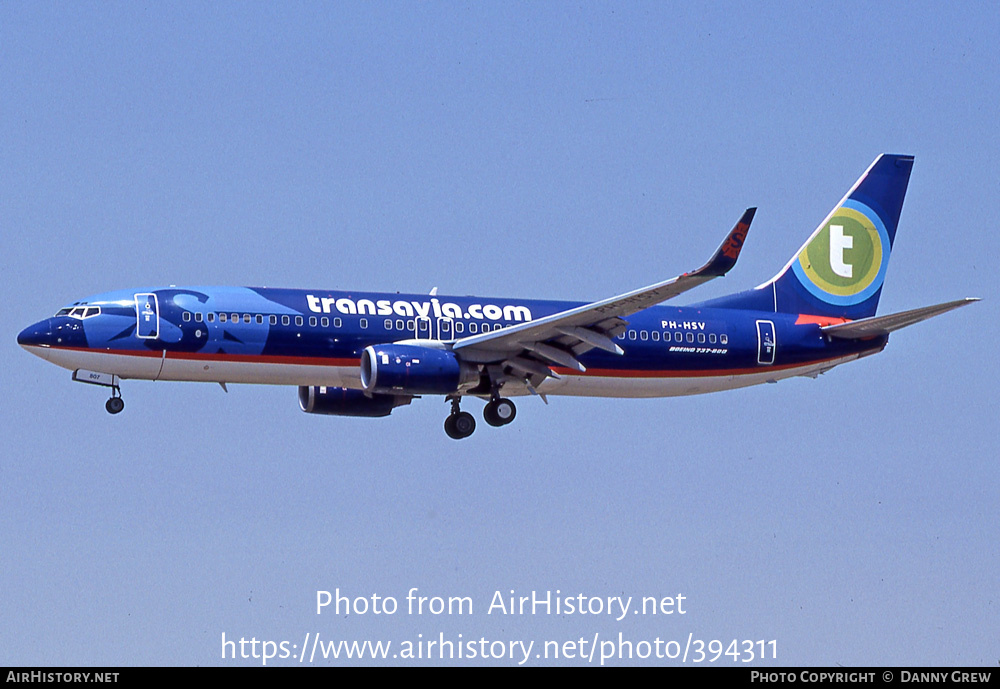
[{"x": 316, "y": 337}]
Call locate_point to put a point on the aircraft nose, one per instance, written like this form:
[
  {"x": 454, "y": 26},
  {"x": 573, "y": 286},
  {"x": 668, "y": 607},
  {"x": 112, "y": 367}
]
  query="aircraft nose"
[{"x": 37, "y": 335}]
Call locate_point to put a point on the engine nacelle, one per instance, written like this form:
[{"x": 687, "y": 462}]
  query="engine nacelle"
[
  {"x": 415, "y": 370},
  {"x": 344, "y": 402}
]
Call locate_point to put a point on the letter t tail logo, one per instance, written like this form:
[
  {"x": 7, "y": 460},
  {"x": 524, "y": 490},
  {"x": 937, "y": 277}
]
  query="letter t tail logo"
[{"x": 838, "y": 242}]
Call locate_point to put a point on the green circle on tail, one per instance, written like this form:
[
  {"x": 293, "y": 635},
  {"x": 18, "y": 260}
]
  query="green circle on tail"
[{"x": 844, "y": 258}]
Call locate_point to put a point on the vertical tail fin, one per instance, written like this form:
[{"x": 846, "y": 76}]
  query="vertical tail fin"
[{"x": 840, "y": 269}]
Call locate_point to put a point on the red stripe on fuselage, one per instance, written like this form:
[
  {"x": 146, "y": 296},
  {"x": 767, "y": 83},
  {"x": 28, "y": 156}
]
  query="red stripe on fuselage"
[
  {"x": 224, "y": 356},
  {"x": 340, "y": 361},
  {"x": 682, "y": 373}
]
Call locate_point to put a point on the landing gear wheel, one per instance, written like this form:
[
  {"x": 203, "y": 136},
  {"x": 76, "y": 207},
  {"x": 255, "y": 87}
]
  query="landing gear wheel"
[
  {"x": 459, "y": 425},
  {"x": 506, "y": 411},
  {"x": 464, "y": 424},
  {"x": 114, "y": 405},
  {"x": 449, "y": 427},
  {"x": 499, "y": 412}
]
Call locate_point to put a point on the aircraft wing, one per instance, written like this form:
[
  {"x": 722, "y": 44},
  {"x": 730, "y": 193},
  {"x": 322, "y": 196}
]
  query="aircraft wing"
[
  {"x": 883, "y": 325},
  {"x": 529, "y": 348}
]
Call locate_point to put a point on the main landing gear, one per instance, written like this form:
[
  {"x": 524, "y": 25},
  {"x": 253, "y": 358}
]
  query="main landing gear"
[
  {"x": 461, "y": 424},
  {"x": 499, "y": 412}
]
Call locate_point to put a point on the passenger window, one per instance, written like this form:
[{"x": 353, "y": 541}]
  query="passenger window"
[
  {"x": 711, "y": 338},
  {"x": 643, "y": 335},
  {"x": 272, "y": 320},
  {"x": 701, "y": 338},
  {"x": 198, "y": 317},
  {"x": 285, "y": 320},
  {"x": 388, "y": 324},
  {"x": 236, "y": 318},
  {"x": 211, "y": 317},
  {"x": 724, "y": 339},
  {"x": 298, "y": 321},
  {"x": 222, "y": 318},
  {"x": 656, "y": 336},
  {"x": 690, "y": 337},
  {"x": 631, "y": 334},
  {"x": 246, "y": 318},
  {"x": 186, "y": 316},
  {"x": 325, "y": 322},
  {"x": 473, "y": 328},
  {"x": 459, "y": 327},
  {"x": 364, "y": 323},
  {"x": 337, "y": 322},
  {"x": 260, "y": 319},
  {"x": 312, "y": 321},
  {"x": 400, "y": 325},
  {"x": 678, "y": 337}
]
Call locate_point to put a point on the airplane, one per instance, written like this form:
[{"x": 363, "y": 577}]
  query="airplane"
[{"x": 365, "y": 354}]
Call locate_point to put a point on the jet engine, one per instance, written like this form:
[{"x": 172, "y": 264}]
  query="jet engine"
[
  {"x": 344, "y": 402},
  {"x": 415, "y": 370}
]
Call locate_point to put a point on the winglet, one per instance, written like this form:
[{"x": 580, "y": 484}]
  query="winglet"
[{"x": 725, "y": 257}]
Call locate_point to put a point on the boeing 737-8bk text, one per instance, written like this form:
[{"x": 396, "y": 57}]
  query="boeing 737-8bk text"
[{"x": 364, "y": 354}]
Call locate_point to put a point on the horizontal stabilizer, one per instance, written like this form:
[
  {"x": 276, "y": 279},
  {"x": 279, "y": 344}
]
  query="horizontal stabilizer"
[{"x": 883, "y": 325}]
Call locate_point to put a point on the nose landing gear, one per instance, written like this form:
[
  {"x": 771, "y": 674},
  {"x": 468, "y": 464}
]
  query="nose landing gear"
[
  {"x": 116, "y": 403},
  {"x": 105, "y": 380}
]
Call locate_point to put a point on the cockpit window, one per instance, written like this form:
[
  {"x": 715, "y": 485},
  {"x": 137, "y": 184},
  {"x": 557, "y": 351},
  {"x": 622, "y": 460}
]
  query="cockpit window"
[{"x": 80, "y": 312}]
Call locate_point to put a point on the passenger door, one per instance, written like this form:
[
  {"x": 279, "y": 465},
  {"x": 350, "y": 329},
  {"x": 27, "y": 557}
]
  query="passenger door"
[{"x": 147, "y": 312}]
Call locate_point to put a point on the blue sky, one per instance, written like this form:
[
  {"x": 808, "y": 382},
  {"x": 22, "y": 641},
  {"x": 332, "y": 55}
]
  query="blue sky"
[{"x": 528, "y": 150}]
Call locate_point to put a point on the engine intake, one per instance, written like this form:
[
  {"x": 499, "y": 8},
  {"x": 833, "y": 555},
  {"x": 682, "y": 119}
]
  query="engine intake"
[
  {"x": 415, "y": 370},
  {"x": 344, "y": 402}
]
